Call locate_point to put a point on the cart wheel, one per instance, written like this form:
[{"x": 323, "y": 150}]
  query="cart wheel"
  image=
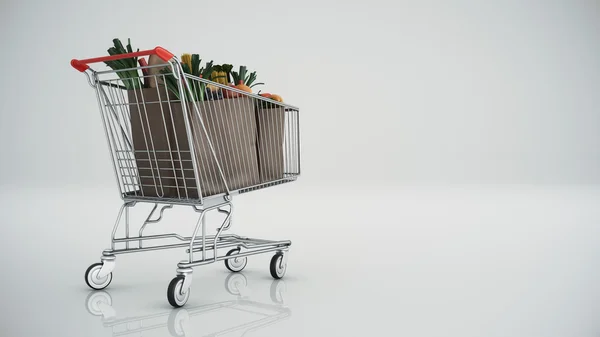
[
  {"x": 175, "y": 294},
  {"x": 278, "y": 266},
  {"x": 235, "y": 264},
  {"x": 92, "y": 279}
]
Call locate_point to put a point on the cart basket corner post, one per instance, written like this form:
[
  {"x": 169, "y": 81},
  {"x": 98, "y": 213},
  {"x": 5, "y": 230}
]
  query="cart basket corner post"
[{"x": 179, "y": 140}]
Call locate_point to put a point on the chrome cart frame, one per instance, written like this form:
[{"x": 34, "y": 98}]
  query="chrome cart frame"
[{"x": 198, "y": 158}]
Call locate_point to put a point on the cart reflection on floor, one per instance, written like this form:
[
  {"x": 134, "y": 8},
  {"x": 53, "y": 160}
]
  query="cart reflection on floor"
[{"x": 178, "y": 321}]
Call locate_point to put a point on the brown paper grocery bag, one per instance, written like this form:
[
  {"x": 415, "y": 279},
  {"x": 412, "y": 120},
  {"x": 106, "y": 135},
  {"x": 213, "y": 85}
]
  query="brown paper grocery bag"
[
  {"x": 270, "y": 121},
  {"x": 155, "y": 77},
  {"x": 150, "y": 122},
  {"x": 231, "y": 126},
  {"x": 162, "y": 149}
]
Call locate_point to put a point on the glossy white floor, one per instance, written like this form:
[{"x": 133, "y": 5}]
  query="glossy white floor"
[{"x": 452, "y": 261}]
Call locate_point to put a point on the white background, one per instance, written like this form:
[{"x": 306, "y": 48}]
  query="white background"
[{"x": 450, "y": 164}]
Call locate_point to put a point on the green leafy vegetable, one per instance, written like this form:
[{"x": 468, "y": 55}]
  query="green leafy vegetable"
[
  {"x": 131, "y": 77},
  {"x": 197, "y": 88},
  {"x": 242, "y": 77}
]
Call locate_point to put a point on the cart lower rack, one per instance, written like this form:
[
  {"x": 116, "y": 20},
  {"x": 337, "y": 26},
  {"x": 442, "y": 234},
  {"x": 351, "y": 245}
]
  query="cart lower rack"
[{"x": 188, "y": 141}]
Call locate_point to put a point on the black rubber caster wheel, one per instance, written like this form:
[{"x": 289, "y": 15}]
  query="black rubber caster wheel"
[
  {"x": 235, "y": 264},
  {"x": 92, "y": 279},
  {"x": 278, "y": 266},
  {"x": 177, "y": 298}
]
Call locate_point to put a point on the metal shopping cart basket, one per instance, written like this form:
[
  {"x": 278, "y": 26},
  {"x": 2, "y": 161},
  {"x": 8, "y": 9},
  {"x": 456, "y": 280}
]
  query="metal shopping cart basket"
[{"x": 196, "y": 146}]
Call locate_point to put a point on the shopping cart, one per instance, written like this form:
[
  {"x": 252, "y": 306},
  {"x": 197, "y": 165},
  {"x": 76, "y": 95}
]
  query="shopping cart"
[{"x": 197, "y": 145}]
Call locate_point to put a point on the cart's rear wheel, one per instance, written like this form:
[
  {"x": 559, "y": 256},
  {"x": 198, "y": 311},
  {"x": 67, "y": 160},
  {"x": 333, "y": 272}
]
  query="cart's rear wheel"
[
  {"x": 235, "y": 264},
  {"x": 175, "y": 294},
  {"x": 278, "y": 266},
  {"x": 92, "y": 279}
]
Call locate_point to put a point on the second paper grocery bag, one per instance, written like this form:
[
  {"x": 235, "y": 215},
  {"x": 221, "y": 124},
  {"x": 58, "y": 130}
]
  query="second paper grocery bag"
[
  {"x": 231, "y": 126},
  {"x": 270, "y": 120},
  {"x": 162, "y": 148}
]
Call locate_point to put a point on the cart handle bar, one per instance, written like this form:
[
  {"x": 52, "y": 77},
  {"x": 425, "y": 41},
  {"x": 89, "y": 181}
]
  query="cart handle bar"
[{"x": 82, "y": 65}]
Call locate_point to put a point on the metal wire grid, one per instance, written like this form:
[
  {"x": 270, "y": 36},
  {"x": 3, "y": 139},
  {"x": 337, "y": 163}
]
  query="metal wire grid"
[{"x": 164, "y": 148}]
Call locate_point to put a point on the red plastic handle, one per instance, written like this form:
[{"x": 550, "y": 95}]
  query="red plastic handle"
[{"x": 82, "y": 65}]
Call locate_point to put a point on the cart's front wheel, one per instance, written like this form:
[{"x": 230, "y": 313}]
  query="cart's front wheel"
[
  {"x": 235, "y": 264},
  {"x": 93, "y": 280},
  {"x": 176, "y": 295},
  {"x": 278, "y": 266}
]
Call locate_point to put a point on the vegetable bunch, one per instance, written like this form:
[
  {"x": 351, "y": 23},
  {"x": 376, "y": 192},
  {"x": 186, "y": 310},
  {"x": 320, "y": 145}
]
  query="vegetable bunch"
[
  {"x": 130, "y": 78},
  {"x": 127, "y": 70},
  {"x": 221, "y": 73},
  {"x": 190, "y": 65},
  {"x": 242, "y": 77}
]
